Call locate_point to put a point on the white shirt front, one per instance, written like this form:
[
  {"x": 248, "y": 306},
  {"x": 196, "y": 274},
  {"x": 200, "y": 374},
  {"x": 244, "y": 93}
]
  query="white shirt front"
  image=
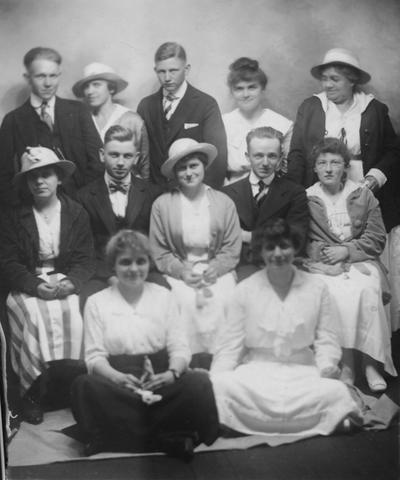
[
  {"x": 174, "y": 103},
  {"x": 36, "y": 103},
  {"x": 119, "y": 200}
]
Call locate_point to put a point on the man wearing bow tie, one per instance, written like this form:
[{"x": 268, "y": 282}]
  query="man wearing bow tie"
[
  {"x": 117, "y": 200},
  {"x": 265, "y": 194},
  {"x": 179, "y": 110},
  {"x": 64, "y": 126}
]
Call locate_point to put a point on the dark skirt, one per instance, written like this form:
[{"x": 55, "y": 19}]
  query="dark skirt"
[{"x": 118, "y": 416}]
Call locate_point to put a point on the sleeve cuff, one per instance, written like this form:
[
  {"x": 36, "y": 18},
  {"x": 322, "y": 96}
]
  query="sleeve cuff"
[{"x": 379, "y": 176}]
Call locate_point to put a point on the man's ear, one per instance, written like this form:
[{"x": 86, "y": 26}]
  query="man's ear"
[
  {"x": 187, "y": 69},
  {"x": 101, "y": 155}
]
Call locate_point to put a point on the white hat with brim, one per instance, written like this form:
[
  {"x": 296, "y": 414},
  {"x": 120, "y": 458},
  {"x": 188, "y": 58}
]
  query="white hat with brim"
[
  {"x": 99, "y": 71},
  {"x": 183, "y": 147},
  {"x": 38, "y": 157},
  {"x": 341, "y": 56}
]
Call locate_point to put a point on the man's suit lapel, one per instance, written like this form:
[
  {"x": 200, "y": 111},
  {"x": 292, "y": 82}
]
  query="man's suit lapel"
[
  {"x": 136, "y": 197},
  {"x": 102, "y": 204},
  {"x": 26, "y": 125},
  {"x": 182, "y": 113},
  {"x": 64, "y": 119},
  {"x": 275, "y": 198},
  {"x": 246, "y": 204},
  {"x": 156, "y": 119}
]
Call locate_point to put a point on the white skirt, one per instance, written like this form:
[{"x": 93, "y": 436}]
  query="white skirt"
[
  {"x": 283, "y": 401},
  {"x": 201, "y": 322},
  {"x": 42, "y": 331},
  {"x": 363, "y": 322}
]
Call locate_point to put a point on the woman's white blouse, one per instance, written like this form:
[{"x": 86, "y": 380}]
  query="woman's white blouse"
[
  {"x": 114, "y": 327},
  {"x": 298, "y": 329},
  {"x": 49, "y": 234}
]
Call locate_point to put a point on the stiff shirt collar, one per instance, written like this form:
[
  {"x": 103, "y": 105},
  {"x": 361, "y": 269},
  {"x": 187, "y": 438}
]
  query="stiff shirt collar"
[{"x": 253, "y": 179}]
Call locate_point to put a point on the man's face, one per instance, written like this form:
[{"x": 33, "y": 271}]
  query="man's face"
[
  {"x": 118, "y": 158},
  {"x": 43, "y": 77},
  {"x": 264, "y": 155},
  {"x": 171, "y": 73}
]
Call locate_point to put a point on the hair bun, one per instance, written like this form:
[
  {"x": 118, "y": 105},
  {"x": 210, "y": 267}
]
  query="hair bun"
[{"x": 244, "y": 63}]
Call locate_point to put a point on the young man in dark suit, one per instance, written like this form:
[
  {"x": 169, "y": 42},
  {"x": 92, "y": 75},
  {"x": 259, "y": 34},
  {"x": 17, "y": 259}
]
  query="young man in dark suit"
[
  {"x": 44, "y": 119},
  {"x": 179, "y": 110},
  {"x": 117, "y": 200},
  {"x": 264, "y": 194}
]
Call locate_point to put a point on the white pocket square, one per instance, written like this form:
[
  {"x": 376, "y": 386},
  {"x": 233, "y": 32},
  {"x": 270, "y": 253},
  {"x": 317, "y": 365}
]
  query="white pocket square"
[{"x": 190, "y": 125}]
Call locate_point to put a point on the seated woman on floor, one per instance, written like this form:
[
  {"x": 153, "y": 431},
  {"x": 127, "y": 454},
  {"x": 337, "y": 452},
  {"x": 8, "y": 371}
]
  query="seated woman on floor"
[
  {"x": 275, "y": 368},
  {"x": 133, "y": 329},
  {"x": 346, "y": 237},
  {"x": 196, "y": 240},
  {"x": 46, "y": 254}
]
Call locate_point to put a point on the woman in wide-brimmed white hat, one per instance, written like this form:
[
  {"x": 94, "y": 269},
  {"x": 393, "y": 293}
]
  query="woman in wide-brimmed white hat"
[
  {"x": 46, "y": 254},
  {"x": 196, "y": 240},
  {"x": 98, "y": 85},
  {"x": 342, "y": 110}
]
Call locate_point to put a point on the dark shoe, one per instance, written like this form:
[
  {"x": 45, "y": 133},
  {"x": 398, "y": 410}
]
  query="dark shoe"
[
  {"x": 178, "y": 446},
  {"x": 96, "y": 445},
  {"x": 32, "y": 411}
]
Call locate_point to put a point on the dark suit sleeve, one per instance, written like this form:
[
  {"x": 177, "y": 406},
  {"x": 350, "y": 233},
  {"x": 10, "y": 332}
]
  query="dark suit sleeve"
[
  {"x": 8, "y": 162},
  {"x": 93, "y": 143},
  {"x": 297, "y": 154},
  {"x": 298, "y": 214},
  {"x": 214, "y": 133},
  {"x": 81, "y": 263}
]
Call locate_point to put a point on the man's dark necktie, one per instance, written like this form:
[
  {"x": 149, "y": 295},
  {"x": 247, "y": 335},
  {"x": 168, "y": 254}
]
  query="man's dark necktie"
[
  {"x": 118, "y": 187},
  {"x": 259, "y": 195},
  {"x": 168, "y": 105},
  {"x": 45, "y": 116}
]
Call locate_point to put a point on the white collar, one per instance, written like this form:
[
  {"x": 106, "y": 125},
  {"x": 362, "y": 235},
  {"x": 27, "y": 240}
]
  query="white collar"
[
  {"x": 36, "y": 101},
  {"x": 361, "y": 101},
  {"x": 253, "y": 179},
  {"x": 179, "y": 93}
]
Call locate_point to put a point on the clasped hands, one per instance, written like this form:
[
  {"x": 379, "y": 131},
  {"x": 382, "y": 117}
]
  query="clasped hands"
[
  {"x": 334, "y": 254},
  {"x": 146, "y": 382},
  {"x": 196, "y": 279},
  {"x": 59, "y": 290}
]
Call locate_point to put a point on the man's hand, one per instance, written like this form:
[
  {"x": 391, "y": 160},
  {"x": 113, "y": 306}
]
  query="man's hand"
[
  {"x": 47, "y": 291},
  {"x": 65, "y": 288}
]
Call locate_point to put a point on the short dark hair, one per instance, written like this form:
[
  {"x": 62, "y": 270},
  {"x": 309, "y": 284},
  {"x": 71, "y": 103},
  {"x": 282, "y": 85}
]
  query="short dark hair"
[
  {"x": 42, "y": 52},
  {"x": 169, "y": 50},
  {"x": 245, "y": 69},
  {"x": 274, "y": 231},
  {"x": 127, "y": 240},
  {"x": 264, "y": 132},
  {"x": 121, "y": 134},
  {"x": 200, "y": 155},
  {"x": 330, "y": 145}
]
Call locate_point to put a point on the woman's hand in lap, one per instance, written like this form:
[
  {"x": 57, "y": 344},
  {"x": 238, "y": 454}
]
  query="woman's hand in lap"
[
  {"x": 159, "y": 380},
  {"x": 192, "y": 279},
  {"x": 127, "y": 380},
  {"x": 210, "y": 275},
  {"x": 330, "y": 372},
  {"x": 334, "y": 254},
  {"x": 47, "y": 291},
  {"x": 65, "y": 288}
]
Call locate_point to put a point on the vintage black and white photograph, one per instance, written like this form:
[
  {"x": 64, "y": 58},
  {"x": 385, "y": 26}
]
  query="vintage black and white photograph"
[{"x": 200, "y": 239}]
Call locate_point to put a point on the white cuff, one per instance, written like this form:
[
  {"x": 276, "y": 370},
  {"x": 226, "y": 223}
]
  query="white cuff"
[{"x": 379, "y": 176}]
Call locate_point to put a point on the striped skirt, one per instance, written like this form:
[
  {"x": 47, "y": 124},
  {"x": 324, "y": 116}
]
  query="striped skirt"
[{"x": 42, "y": 331}]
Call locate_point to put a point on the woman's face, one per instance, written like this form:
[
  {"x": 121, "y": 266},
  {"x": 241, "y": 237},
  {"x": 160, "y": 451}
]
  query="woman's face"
[
  {"x": 248, "y": 95},
  {"x": 132, "y": 269},
  {"x": 96, "y": 93},
  {"x": 190, "y": 172},
  {"x": 337, "y": 87},
  {"x": 43, "y": 182},
  {"x": 278, "y": 254},
  {"x": 330, "y": 170}
]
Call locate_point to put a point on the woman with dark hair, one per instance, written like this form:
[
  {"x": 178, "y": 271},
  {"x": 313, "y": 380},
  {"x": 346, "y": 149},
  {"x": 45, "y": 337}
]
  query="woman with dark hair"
[
  {"x": 46, "y": 254},
  {"x": 138, "y": 395},
  {"x": 196, "y": 240},
  {"x": 275, "y": 368},
  {"x": 346, "y": 237},
  {"x": 247, "y": 83}
]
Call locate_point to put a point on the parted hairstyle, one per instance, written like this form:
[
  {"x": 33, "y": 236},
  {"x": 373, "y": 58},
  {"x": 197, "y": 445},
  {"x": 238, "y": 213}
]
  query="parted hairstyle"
[
  {"x": 245, "y": 69},
  {"x": 132, "y": 241},
  {"x": 169, "y": 50},
  {"x": 120, "y": 134},
  {"x": 42, "y": 52},
  {"x": 330, "y": 145},
  {"x": 264, "y": 132},
  {"x": 274, "y": 232}
]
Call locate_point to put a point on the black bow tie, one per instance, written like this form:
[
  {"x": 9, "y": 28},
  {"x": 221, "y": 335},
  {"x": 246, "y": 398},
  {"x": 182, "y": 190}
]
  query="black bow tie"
[{"x": 118, "y": 187}]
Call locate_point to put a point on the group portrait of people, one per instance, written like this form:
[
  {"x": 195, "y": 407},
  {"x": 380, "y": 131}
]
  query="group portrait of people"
[{"x": 175, "y": 275}]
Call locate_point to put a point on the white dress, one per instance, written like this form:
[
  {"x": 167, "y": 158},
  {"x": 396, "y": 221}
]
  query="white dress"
[
  {"x": 237, "y": 127},
  {"x": 364, "y": 325},
  {"x": 201, "y": 314},
  {"x": 265, "y": 372}
]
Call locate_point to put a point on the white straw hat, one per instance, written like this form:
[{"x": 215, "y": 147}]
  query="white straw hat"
[{"x": 99, "y": 71}]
